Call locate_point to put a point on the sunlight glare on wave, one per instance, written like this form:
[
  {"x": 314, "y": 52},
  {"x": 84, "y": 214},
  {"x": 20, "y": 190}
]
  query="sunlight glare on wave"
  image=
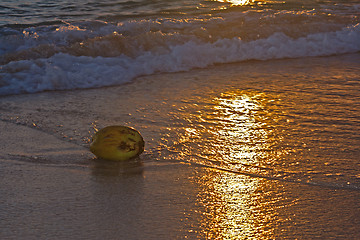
[
  {"x": 236, "y": 2},
  {"x": 242, "y": 138}
]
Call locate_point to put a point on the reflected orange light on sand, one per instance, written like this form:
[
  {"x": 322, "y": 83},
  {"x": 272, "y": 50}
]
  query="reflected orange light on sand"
[{"x": 240, "y": 133}]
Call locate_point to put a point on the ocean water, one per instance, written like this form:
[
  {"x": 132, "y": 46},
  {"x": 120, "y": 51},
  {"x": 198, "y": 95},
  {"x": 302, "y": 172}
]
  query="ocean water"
[
  {"x": 249, "y": 109},
  {"x": 66, "y": 45}
]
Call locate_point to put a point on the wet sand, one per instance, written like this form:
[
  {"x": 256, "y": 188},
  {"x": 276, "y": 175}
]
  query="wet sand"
[{"x": 52, "y": 187}]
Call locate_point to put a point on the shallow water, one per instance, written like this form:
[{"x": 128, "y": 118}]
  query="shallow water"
[{"x": 250, "y": 150}]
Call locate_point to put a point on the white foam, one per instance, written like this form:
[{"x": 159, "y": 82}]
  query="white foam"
[{"x": 64, "y": 71}]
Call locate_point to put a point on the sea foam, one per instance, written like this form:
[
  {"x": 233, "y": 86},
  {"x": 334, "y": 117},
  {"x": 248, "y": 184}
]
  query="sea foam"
[{"x": 103, "y": 57}]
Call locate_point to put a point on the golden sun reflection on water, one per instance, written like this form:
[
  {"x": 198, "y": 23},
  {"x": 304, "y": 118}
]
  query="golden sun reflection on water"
[
  {"x": 237, "y": 2},
  {"x": 225, "y": 199},
  {"x": 237, "y": 131},
  {"x": 239, "y": 125}
]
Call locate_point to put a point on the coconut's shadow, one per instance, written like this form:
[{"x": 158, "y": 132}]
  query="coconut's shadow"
[{"x": 101, "y": 167}]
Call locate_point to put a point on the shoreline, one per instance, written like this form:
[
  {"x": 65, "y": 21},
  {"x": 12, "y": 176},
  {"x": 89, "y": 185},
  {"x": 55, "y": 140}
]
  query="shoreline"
[{"x": 278, "y": 114}]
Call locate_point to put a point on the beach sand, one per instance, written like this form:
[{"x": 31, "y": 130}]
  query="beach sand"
[{"x": 52, "y": 187}]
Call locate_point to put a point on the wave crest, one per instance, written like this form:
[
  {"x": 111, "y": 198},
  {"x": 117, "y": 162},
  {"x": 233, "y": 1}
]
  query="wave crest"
[{"x": 96, "y": 54}]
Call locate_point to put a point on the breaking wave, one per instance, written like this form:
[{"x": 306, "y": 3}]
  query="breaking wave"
[{"x": 96, "y": 54}]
